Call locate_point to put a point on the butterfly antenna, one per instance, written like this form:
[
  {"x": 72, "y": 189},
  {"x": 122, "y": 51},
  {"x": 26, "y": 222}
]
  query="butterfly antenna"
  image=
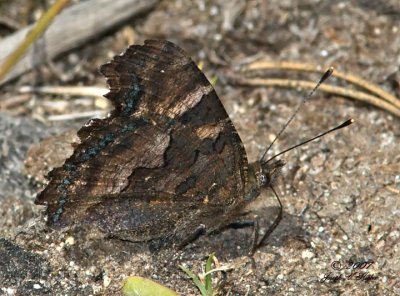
[
  {"x": 279, "y": 217},
  {"x": 344, "y": 124},
  {"x": 324, "y": 77}
]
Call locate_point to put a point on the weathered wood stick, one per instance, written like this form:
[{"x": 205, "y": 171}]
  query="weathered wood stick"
[{"x": 73, "y": 27}]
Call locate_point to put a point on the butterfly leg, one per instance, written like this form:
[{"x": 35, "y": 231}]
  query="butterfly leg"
[
  {"x": 256, "y": 230},
  {"x": 276, "y": 221}
]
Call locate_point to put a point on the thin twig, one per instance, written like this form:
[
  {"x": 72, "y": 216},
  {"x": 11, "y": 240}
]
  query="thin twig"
[
  {"x": 361, "y": 96},
  {"x": 91, "y": 91},
  {"x": 73, "y": 116}
]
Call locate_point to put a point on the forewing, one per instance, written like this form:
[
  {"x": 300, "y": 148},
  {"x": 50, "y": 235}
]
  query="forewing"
[{"x": 169, "y": 133}]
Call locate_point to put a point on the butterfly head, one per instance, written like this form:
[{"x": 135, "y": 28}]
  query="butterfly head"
[{"x": 268, "y": 172}]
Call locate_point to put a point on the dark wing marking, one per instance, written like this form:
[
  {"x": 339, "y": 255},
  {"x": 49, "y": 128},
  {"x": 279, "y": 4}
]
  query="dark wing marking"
[{"x": 169, "y": 132}]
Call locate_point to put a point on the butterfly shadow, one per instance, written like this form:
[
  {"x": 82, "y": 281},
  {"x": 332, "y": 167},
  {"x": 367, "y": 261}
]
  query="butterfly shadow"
[{"x": 235, "y": 239}]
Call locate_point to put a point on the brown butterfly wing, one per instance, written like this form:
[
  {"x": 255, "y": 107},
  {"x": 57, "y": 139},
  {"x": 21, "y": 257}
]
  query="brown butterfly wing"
[{"x": 167, "y": 154}]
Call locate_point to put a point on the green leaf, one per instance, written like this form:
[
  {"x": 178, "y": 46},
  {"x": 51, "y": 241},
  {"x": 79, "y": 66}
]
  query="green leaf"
[{"x": 138, "y": 286}]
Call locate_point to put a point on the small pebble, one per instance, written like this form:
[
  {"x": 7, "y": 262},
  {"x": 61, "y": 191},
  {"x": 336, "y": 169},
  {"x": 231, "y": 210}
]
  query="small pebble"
[
  {"x": 307, "y": 254},
  {"x": 70, "y": 240}
]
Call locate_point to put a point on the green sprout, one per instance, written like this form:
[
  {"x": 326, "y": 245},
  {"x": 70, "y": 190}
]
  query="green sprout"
[{"x": 204, "y": 281}]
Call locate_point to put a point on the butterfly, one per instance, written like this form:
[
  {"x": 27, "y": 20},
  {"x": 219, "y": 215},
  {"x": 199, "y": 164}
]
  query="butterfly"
[{"x": 166, "y": 164}]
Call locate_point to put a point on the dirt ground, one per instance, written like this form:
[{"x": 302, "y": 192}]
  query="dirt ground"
[{"x": 340, "y": 194}]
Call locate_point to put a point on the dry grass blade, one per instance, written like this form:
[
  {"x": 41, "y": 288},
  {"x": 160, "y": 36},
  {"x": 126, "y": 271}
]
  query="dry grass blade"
[
  {"x": 32, "y": 36},
  {"x": 357, "y": 95},
  {"x": 380, "y": 97}
]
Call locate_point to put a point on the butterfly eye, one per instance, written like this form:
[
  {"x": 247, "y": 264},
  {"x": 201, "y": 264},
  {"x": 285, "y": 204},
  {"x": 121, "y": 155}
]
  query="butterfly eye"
[{"x": 263, "y": 179}]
